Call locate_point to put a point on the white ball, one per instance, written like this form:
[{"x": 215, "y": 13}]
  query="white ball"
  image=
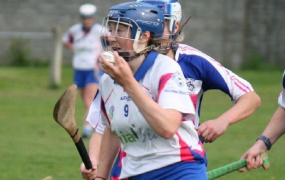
[{"x": 109, "y": 56}]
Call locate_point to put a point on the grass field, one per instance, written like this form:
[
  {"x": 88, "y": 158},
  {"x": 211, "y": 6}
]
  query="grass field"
[{"x": 33, "y": 146}]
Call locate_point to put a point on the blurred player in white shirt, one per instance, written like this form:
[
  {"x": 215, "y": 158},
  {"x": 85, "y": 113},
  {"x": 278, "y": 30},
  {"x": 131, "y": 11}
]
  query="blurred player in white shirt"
[{"x": 84, "y": 40}]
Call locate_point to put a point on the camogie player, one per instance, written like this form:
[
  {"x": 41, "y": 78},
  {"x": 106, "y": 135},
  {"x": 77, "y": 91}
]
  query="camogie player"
[
  {"x": 202, "y": 73},
  {"x": 273, "y": 131},
  {"x": 145, "y": 104},
  {"x": 84, "y": 40}
]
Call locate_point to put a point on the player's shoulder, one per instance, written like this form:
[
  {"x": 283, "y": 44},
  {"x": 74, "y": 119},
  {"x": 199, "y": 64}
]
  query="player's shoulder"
[
  {"x": 105, "y": 78},
  {"x": 195, "y": 57},
  {"x": 75, "y": 27},
  {"x": 164, "y": 65},
  {"x": 97, "y": 27},
  {"x": 184, "y": 49},
  {"x": 163, "y": 60},
  {"x": 105, "y": 85}
]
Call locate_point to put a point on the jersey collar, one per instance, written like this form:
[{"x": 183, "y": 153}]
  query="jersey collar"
[{"x": 146, "y": 65}]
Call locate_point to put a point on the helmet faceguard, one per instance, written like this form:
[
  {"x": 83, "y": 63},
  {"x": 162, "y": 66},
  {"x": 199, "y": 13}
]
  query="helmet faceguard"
[{"x": 138, "y": 18}]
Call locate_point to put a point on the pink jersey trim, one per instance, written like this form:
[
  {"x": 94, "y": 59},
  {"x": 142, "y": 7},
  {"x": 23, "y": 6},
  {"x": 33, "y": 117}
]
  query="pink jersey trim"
[
  {"x": 239, "y": 84},
  {"x": 162, "y": 82},
  {"x": 185, "y": 152},
  {"x": 104, "y": 111},
  {"x": 109, "y": 96}
]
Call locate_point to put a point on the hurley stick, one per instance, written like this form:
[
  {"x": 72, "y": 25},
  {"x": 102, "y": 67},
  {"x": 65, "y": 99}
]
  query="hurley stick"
[
  {"x": 216, "y": 173},
  {"x": 64, "y": 114}
]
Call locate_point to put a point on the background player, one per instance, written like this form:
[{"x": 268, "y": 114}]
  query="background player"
[
  {"x": 273, "y": 131},
  {"x": 204, "y": 73},
  {"x": 160, "y": 145},
  {"x": 84, "y": 40}
]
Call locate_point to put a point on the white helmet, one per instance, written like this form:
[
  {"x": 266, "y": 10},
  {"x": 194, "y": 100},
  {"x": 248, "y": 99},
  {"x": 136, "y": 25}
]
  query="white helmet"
[{"x": 87, "y": 10}]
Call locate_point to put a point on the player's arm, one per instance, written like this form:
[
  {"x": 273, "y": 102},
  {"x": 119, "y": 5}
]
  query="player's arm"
[
  {"x": 95, "y": 143},
  {"x": 94, "y": 119},
  {"x": 94, "y": 150},
  {"x": 94, "y": 147},
  {"x": 164, "y": 122},
  {"x": 246, "y": 101},
  {"x": 276, "y": 127},
  {"x": 67, "y": 40},
  {"x": 68, "y": 45},
  {"x": 110, "y": 146},
  {"x": 244, "y": 107},
  {"x": 273, "y": 131}
]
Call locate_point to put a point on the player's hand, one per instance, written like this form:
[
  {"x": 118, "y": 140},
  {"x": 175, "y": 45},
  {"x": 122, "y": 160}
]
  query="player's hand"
[
  {"x": 210, "y": 130},
  {"x": 253, "y": 160},
  {"x": 88, "y": 174},
  {"x": 121, "y": 73}
]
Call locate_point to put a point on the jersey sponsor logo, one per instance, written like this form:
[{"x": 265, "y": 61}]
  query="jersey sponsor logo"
[
  {"x": 140, "y": 136},
  {"x": 111, "y": 112},
  {"x": 178, "y": 79},
  {"x": 190, "y": 84},
  {"x": 127, "y": 98},
  {"x": 176, "y": 92}
]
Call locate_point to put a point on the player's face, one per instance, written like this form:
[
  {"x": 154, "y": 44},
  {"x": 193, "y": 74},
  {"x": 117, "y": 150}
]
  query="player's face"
[
  {"x": 120, "y": 37},
  {"x": 166, "y": 32},
  {"x": 166, "y": 35},
  {"x": 87, "y": 22}
]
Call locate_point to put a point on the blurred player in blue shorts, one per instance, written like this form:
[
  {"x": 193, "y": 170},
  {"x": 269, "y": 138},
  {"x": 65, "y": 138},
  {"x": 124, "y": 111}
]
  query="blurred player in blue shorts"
[{"x": 84, "y": 40}]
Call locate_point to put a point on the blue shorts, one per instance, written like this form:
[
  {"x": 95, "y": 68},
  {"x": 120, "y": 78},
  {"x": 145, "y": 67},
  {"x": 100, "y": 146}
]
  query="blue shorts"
[
  {"x": 100, "y": 73},
  {"x": 177, "y": 171},
  {"x": 84, "y": 77}
]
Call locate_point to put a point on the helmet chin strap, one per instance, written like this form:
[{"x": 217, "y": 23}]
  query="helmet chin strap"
[
  {"x": 127, "y": 57},
  {"x": 137, "y": 50}
]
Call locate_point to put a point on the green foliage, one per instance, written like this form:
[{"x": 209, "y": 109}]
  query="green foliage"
[
  {"x": 19, "y": 55},
  {"x": 256, "y": 62},
  {"x": 34, "y": 146}
]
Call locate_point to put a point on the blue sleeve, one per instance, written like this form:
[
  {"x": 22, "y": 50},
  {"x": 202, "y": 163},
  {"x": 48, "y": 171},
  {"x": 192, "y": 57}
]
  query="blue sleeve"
[{"x": 198, "y": 68}]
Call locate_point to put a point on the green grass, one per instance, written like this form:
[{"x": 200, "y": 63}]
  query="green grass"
[
  {"x": 34, "y": 146},
  {"x": 240, "y": 136}
]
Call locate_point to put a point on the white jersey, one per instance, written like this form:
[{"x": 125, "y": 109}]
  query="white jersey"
[
  {"x": 203, "y": 73},
  {"x": 94, "y": 115},
  {"x": 87, "y": 45},
  {"x": 281, "y": 99},
  {"x": 163, "y": 81}
]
